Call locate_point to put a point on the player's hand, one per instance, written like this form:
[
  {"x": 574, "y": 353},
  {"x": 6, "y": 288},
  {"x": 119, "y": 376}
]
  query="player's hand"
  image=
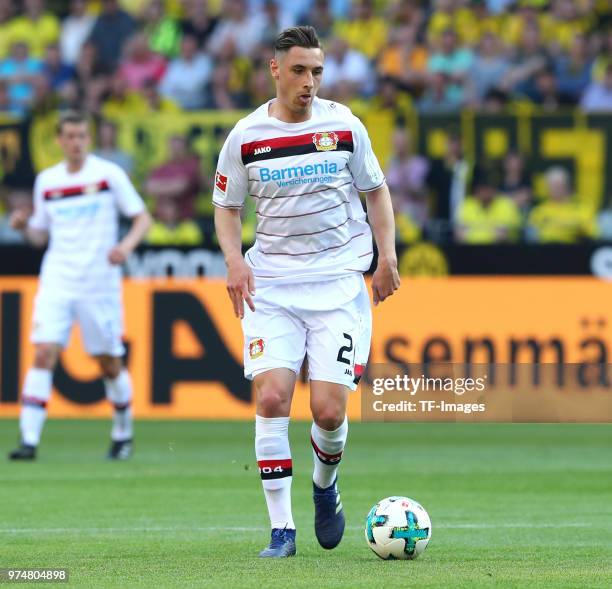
[
  {"x": 385, "y": 280},
  {"x": 240, "y": 285},
  {"x": 117, "y": 255},
  {"x": 19, "y": 220}
]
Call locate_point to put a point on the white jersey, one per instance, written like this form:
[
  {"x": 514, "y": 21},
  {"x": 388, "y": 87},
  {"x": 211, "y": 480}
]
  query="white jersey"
[
  {"x": 305, "y": 178},
  {"x": 81, "y": 213}
]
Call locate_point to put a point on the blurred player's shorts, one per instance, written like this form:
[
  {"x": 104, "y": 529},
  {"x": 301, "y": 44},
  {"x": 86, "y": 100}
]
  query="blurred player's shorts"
[
  {"x": 329, "y": 322},
  {"x": 100, "y": 319}
]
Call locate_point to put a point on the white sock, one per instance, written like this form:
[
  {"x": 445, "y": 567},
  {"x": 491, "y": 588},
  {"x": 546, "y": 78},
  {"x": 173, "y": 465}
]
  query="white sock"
[
  {"x": 119, "y": 393},
  {"x": 275, "y": 467},
  {"x": 35, "y": 394},
  {"x": 327, "y": 448}
]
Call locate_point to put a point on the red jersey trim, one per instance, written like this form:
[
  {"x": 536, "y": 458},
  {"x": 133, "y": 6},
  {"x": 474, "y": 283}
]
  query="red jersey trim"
[{"x": 81, "y": 190}]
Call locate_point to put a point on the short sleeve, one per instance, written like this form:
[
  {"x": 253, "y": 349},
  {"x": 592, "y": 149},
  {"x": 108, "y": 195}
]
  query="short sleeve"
[
  {"x": 364, "y": 166},
  {"x": 128, "y": 200},
  {"x": 40, "y": 218},
  {"x": 231, "y": 178}
]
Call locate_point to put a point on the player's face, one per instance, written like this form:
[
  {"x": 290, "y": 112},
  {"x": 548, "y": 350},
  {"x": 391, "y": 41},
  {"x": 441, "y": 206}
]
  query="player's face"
[
  {"x": 74, "y": 140},
  {"x": 298, "y": 74}
]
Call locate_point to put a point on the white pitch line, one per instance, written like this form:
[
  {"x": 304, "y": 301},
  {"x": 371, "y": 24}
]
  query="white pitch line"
[
  {"x": 517, "y": 526},
  {"x": 458, "y": 526},
  {"x": 130, "y": 529}
]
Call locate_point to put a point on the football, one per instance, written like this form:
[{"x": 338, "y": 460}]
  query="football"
[{"x": 398, "y": 528}]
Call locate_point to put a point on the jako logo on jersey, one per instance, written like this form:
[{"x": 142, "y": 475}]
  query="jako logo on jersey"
[
  {"x": 325, "y": 141},
  {"x": 221, "y": 182},
  {"x": 265, "y": 149},
  {"x": 256, "y": 348},
  {"x": 326, "y": 168}
]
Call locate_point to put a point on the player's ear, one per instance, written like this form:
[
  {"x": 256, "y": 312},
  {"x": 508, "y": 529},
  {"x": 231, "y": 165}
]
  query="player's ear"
[{"x": 274, "y": 68}]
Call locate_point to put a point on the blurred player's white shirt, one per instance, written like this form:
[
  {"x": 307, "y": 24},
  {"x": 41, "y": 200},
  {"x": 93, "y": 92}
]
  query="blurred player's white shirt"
[
  {"x": 305, "y": 179},
  {"x": 81, "y": 213}
]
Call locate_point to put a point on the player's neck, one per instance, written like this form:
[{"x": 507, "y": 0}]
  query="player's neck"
[
  {"x": 279, "y": 111},
  {"x": 74, "y": 166}
]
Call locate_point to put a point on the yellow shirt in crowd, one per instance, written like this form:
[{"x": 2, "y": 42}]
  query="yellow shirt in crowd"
[
  {"x": 481, "y": 224},
  {"x": 173, "y": 8},
  {"x": 135, "y": 104},
  {"x": 368, "y": 36},
  {"x": 184, "y": 233},
  {"x": 464, "y": 22},
  {"x": 406, "y": 230},
  {"x": 37, "y": 35},
  {"x": 563, "y": 222},
  {"x": 4, "y": 39},
  {"x": 552, "y": 30}
]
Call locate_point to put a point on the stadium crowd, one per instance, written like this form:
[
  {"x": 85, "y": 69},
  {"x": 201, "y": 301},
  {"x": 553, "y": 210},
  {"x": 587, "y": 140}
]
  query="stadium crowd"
[{"x": 112, "y": 57}]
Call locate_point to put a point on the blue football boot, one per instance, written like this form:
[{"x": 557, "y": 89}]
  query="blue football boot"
[
  {"x": 282, "y": 544},
  {"x": 329, "y": 515}
]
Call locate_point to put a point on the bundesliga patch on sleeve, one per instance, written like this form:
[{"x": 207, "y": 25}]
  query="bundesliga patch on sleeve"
[{"x": 221, "y": 182}]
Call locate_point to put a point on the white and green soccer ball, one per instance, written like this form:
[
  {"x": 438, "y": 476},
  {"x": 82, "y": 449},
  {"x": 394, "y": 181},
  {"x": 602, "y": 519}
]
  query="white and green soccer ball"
[{"x": 398, "y": 528}]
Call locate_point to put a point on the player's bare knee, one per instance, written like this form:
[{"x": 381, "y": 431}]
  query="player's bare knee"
[
  {"x": 272, "y": 399},
  {"x": 110, "y": 366},
  {"x": 327, "y": 411},
  {"x": 45, "y": 356},
  {"x": 111, "y": 372},
  {"x": 329, "y": 418},
  {"x": 270, "y": 403}
]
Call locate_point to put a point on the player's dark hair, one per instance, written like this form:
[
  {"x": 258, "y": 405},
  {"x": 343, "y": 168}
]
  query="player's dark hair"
[
  {"x": 303, "y": 36},
  {"x": 70, "y": 116}
]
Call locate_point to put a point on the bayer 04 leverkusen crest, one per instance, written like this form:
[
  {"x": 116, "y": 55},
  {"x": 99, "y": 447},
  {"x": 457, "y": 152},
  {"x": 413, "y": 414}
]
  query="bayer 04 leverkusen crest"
[
  {"x": 256, "y": 348},
  {"x": 325, "y": 141}
]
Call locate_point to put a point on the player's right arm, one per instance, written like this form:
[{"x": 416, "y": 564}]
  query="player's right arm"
[
  {"x": 240, "y": 281},
  {"x": 35, "y": 228},
  {"x": 231, "y": 186}
]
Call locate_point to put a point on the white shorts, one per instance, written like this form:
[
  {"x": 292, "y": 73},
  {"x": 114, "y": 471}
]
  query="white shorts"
[
  {"x": 100, "y": 320},
  {"x": 329, "y": 322}
]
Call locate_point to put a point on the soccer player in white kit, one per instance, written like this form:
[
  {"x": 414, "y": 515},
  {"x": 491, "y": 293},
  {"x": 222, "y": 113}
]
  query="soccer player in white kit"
[
  {"x": 304, "y": 160},
  {"x": 76, "y": 211}
]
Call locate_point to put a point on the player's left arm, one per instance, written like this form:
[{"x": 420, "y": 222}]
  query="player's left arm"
[
  {"x": 141, "y": 223},
  {"x": 369, "y": 179},
  {"x": 131, "y": 205},
  {"x": 385, "y": 280}
]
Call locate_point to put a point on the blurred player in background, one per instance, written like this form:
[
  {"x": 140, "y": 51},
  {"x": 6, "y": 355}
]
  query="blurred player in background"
[
  {"x": 304, "y": 160},
  {"x": 77, "y": 204}
]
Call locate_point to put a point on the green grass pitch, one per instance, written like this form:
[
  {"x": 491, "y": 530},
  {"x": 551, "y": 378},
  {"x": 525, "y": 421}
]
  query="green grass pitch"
[{"x": 512, "y": 505}]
